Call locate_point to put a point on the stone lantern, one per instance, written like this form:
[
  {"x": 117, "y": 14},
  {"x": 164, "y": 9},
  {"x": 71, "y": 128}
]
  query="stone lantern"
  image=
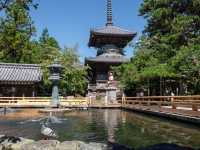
[{"x": 55, "y": 71}]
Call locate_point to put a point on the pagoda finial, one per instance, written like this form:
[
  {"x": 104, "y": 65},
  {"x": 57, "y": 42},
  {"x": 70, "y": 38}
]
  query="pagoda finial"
[{"x": 109, "y": 13}]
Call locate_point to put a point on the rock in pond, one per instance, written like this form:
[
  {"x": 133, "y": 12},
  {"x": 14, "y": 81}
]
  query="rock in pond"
[
  {"x": 18, "y": 143},
  {"x": 79, "y": 145},
  {"x": 41, "y": 145},
  {"x": 15, "y": 143}
]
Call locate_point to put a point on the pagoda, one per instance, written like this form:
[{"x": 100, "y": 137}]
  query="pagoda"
[{"x": 110, "y": 42}]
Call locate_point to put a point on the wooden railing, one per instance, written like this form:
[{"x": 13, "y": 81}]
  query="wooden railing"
[
  {"x": 174, "y": 102},
  {"x": 78, "y": 101},
  {"x": 40, "y": 101}
]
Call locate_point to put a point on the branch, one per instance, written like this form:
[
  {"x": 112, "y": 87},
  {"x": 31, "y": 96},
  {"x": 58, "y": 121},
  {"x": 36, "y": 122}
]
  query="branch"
[{"x": 4, "y": 4}]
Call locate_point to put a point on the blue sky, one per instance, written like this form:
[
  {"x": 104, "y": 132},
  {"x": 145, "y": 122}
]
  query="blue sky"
[{"x": 70, "y": 21}]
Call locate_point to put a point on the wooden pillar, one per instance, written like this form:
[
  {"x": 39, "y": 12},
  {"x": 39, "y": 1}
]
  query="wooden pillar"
[
  {"x": 194, "y": 107},
  {"x": 160, "y": 86},
  {"x": 173, "y": 103},
  {"x": 148, "y": 87}
]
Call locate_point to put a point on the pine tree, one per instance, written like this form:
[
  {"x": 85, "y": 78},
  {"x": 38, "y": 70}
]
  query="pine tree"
[
  {"x": 169, "y": 47},
  {"x": 16, "y": 30}
]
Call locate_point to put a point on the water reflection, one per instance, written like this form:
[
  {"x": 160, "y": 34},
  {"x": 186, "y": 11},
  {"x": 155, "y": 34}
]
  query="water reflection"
[
  {"x": 116, "y": 126},
  {"x": 142, "y": 131},
  {"x": 111, "y": 122},
  {"x": 49, "y": 119},
  {"x": 6, "y": 110}
]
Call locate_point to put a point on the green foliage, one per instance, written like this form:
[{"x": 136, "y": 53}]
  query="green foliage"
[
  {"x": 186, "y": 63},
  {"x": 44, "y": 52},
  {"x": 73, "y": 79},
  {"x": 26, "y": 4},
  {"x": 47, "y": 40},
  {"x": 16, "y": 46},
  {"x": 74, "y": 74},
  {"x": 169, "y": 47},
  {"x": 16, "y": 30}
]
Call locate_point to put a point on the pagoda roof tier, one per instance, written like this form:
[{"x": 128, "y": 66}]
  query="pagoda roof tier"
[
  {"x": 107, "y": 58},
  {"x": 110, "y": 35}
]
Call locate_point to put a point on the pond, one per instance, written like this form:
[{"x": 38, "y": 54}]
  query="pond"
[{"x": 102, "y": 125}]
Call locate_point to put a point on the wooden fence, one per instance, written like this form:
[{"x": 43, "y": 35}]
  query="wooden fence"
[
  {"x": 174, "y": 102},
  {"x": 41, "y": 102}
]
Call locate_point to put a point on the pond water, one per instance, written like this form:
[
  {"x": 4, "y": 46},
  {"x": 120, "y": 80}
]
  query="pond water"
[{"x": 96, "y": 125}]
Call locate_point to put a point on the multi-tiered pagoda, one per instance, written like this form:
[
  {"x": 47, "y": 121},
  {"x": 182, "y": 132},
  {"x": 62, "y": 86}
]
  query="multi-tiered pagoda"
[{"x": 109, "y": 41}]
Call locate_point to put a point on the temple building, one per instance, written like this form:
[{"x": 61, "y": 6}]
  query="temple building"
[
  {"x": 19, "y": 80},
  {"x": 110, "y": 42}
]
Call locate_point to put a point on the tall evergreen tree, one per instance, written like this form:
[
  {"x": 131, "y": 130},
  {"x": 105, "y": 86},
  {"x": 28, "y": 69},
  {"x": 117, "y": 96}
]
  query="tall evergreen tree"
[
  {"x": 169, "y": 46},
  {"x": 4, "y": 4},
  {"x": 16, "y": 30},
  {"x": 48, "y": 48}
]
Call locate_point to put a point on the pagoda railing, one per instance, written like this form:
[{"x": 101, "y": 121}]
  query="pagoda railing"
[
  {"x": 103, "y": 84},
  {"x": 97, "y": 86},
  {"x": 92, "y": 86}
]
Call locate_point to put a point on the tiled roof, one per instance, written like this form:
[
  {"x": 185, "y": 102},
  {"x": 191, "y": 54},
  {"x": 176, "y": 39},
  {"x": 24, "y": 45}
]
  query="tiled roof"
[
  {"x": 112, "y": 30},
  {"x": 20, "y": 72},
  {"x": 110, "y": 35},
  {"x": 108, "y": 58}
]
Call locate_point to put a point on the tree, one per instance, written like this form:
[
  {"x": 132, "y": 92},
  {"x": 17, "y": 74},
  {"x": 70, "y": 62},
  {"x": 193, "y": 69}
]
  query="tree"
[
  {"x": 173, "y": 29},
  {"x": 16, "y": 30},
  {"x": 186, "y": 63},
  {"x": 45, "y": 51},
  {"x": 48, "y": 48},
  {"x": 169, "y": 45},
  {"x": 73, "y": 80},
  {"x": 47, "y": 40},
  {"x": 74, "y": 74},
  {"x": 17, "y": 46},
  {"x": 27, "y": 4}
]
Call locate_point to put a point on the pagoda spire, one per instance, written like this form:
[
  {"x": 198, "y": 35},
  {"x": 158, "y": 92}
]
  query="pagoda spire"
[{"x": 109, "y": 13}]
